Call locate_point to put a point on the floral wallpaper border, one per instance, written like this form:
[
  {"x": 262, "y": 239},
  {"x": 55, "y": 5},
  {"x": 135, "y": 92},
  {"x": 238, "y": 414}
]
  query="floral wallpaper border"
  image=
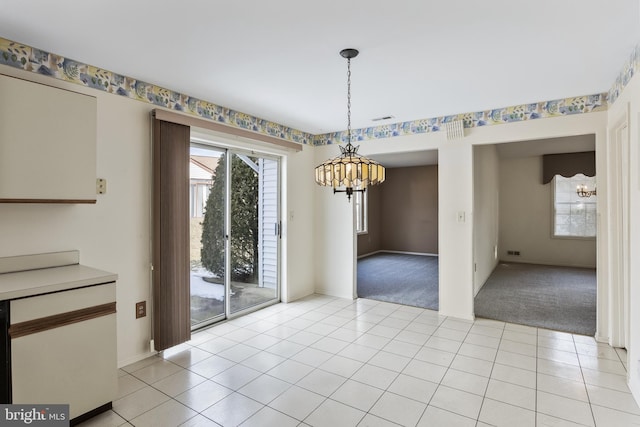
[
  {"x": 628, "y": 71},
  {"x": 49, "y": 64},
  {"x": 38, "y": 61}
]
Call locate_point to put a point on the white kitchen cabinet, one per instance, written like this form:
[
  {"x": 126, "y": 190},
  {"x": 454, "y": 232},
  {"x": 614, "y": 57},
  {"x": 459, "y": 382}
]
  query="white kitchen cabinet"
[{"x": 47, "y": 144}]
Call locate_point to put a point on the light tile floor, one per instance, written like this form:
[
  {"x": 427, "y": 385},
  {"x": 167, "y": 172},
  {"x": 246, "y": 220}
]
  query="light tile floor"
[{"x": 325, "y": 361}]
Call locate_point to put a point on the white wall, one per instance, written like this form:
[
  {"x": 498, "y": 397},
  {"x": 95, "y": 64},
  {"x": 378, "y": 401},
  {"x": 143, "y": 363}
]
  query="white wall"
[
  {"x": 628, "y": 106},
  {"x": 485, "y": 218},
  {"x": 526, "y": 219},
  {"x": 114, "y": 234},
  {"x": 335, "y": 252}
]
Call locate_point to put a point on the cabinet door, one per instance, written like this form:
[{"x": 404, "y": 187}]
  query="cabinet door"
[
  {"x": 47, "y": 143},
  {"x": 61, "y": 353}
]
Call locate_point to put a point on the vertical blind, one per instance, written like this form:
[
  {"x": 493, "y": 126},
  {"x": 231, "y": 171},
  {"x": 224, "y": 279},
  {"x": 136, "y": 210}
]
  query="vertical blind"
[{"x": 170, "y": 248}]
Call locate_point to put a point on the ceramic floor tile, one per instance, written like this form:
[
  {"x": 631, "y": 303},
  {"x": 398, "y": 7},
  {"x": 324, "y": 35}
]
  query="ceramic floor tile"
[
  {"x": 509, "y": 374},
  {"x": 563, "y": 387},
  {"x": 516, "y": 360},
  {"x": 502, "y": 414},
  {"x": 373, "y": 341},
  {"x": 331, "y": 413},
  {"x": 141, "y": 364},
  {"x": 390, "y": 361},
  {"x": 323, "y": 329},
  {"x": 270, "y": 417},
  {"x": 613, "y": 399},
  {"x": 212, "y": 366},
  {"x": 412, "y": 337},
  {"x": 232, "y": 410},
  {"x": 203, "y": 395},
  {"x": 170, "y": 413},
  {"x": 556, "y": 335},
  {"x": 545, "y": 420},
  {"x": 342, "y": 366},
  {"x": 512, "y": 394},
  {"x": 261, "y": 326},
  {"x": 139, "y": 402},
  {"x": 290, "y": 371},
  {"x": 358, "y": 352},
  {"x": 297, "y": 402},
  {"x": 459, "y": 325},
  {"x": 216, "y": 345},
  {"x": 401, "y": 348},
  {"x": 384, "y": 331},
  {"x": 425, "y": 371},
  {"x": 156, "y": 371},
  {"x": 521, "y": 337},
  {"x": 558, "y": 356},
  {"x": 443, "y": 344},
  {"x": 127, "y": 384},
  {"x": 241, "y": 334},
  {"x": 450, "y": 334},
  {"x": 262, "y": 341},
  {"x": 522, "y": 329},
  {"x": 321, "y": 382},
  {"x": 413, "y": 388},
  {"x": 602, "y": 351},
  {"x": 472, "y": 365},
  {"x": 282, "y": 332},
  {"x": 189, "y": 357},
  {"x": 605, "y": 379},
  {"x": 465, "y": 381},
  {"x": 357, "y": 395},
  {"x": 304, "y": 338},
  {"x": 559, "y": 369},
  {"x": 373, "y": 421},
  {"x": 607, "y": 417},
  {"x": 238, "y": 352},
  {"x": 285, "y": 348},
  {"x": 478, "y": 351},
  {"x": 483, "y": 340},
  {"x": 236, "y": 377},
  {"x": 179, "y": 382},
  {"x": 432, "y": 355},
  {"x": 603, "y": 365},
  {"x": 330, "y": 345},
  {"x": 489, "y": 331},
  {"x": 312, "y": 357},
  {"x": 263, "y": 361},
  {"x": 264, "y": 389},
  {"x": 564, "y": 408},
  {"x": 457, "y": 401},
  {"x": 398, "y": 409},
  {"x": 519, "y": 348},
  {"x": 558, "y": 344},
  {"x": 439, "y": 417},
  {"x": 346, "y": 335},
  {"x": 375, "y": 376}
]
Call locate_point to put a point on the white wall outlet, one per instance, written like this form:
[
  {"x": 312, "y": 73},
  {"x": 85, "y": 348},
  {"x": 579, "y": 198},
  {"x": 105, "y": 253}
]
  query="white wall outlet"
[{"x": 101, "y": 186}]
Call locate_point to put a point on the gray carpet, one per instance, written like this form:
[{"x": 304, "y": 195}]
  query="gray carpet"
[
  {"x": 400, "y": 278},
  {"x": 558, "y": 298}
]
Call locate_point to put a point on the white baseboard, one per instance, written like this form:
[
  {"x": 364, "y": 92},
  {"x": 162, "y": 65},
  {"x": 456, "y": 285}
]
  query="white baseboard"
[{"x": 134, "y": 359}]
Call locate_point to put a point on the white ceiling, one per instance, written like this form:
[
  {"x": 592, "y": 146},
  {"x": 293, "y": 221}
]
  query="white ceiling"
[{"x": 279, "y": 59}]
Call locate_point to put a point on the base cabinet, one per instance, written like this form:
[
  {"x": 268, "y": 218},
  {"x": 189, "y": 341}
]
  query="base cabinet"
[{"x": 63, "y": 348}]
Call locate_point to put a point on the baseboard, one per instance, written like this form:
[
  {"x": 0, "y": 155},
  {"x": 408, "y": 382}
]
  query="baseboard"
[
  {"x": 551, "y": 263},
  {"x": 131, "y": 360},
  {"x": 396, "y": 252}
]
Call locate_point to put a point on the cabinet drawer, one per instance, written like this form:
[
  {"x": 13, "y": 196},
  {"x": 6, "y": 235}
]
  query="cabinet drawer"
[{"x": 31, "y": 308}]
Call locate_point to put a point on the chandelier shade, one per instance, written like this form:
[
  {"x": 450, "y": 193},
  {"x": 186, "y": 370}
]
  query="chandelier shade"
[{"x": 350, "y": 172}]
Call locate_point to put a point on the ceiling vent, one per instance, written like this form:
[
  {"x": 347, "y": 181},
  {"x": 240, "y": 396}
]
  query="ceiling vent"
[{"x": 454, "y": 129}]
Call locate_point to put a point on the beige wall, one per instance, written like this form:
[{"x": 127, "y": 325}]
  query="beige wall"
[
  {"x": 408, "y": 212},
  {"x": 526, "y": 219},
  {"x": 369, "y": 242}
]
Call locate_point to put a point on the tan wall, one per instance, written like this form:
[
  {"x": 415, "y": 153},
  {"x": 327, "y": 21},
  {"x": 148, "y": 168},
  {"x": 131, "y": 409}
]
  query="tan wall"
[
  {"x": 408, "y": 206},
  {"x": 370, "y": 242}
]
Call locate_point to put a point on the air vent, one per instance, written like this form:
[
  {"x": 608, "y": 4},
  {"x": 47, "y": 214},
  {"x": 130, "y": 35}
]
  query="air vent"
[
  {"x": 378, "y": 119},
  {"x": 455, "y": 129}
]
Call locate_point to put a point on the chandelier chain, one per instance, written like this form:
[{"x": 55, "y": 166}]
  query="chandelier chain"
[{"x": 348, "y": 100}]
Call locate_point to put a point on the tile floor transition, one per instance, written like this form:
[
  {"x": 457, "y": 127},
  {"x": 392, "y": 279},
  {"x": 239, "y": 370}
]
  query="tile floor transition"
[{"x": 324, "y": 361}]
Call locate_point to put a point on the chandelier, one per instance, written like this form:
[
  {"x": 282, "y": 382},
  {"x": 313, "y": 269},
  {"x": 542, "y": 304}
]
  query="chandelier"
[
  {"x": 583, "y": 191},
  {"x": 350, "y": 172}
]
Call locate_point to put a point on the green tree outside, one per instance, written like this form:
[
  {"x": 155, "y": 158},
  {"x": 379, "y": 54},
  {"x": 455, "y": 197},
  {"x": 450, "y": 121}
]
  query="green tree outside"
[{"x": 244, "y": 222}]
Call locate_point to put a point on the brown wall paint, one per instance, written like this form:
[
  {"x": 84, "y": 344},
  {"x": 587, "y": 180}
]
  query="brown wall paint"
[{"x": 403, "y": 212}]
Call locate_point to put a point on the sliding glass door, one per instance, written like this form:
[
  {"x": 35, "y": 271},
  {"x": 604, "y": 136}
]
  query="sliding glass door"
[{"x": 235, "y": 232}]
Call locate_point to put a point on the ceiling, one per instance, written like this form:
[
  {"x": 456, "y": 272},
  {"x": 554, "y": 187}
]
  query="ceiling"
[{"x": 279, "y": 59}]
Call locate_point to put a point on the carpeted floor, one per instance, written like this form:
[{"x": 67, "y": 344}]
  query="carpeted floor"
[
  {"x": 400, "y": 278},
  {"x": 558, "y": 298}
]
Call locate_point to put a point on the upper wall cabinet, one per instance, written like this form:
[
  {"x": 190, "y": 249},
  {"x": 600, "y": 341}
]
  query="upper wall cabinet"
[{"x": 47, "y": 144}]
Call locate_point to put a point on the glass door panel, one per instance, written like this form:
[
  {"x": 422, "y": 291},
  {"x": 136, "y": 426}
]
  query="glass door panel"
[
  {"x": 255, "y": 231},
  {"x": 208, "y": 189}
]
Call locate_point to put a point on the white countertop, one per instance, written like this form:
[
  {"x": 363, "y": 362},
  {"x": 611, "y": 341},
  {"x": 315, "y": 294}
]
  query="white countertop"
[{"x": 53, "y": 279}]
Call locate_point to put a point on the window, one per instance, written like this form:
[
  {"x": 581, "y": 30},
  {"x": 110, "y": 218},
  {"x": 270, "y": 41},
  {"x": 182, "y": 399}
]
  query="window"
[
  {"x": 574, "y": 216},
  {"x": 360, "y": 202}
]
